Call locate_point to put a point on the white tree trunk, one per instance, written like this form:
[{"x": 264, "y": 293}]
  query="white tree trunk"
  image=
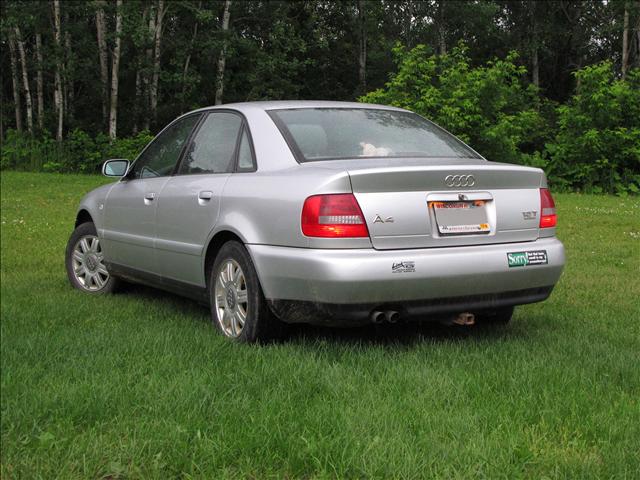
[
  {"x": 101, "y": 30},
  {"x": 25, "y": 79},
  {"x": 39, "y": 81},
  {"x": 58, "y": 76},
  {"x": 535, "y": 63},
  {"x": 15, "y": 82},
  {"x": 149, "y": 55},
  {"x": 442, "y": 30},
  {"x": 362, "y": 57},
  {"x": 153, "y": 92},
  {"x": 115, "y": 66},
  {"x": 187, "y": 61},
  {"x": 223, "y": 54},
  {"x": 625, "y": 41}
]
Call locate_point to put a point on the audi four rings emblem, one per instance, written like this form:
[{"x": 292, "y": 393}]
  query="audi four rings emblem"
[{"x": 459, "y": 180}]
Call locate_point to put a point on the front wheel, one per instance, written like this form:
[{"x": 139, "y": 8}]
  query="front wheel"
[
  {"x": 85, "y": 262},
  {"x": 238, "y": 307}
]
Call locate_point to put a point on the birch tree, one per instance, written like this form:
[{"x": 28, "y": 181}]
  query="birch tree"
[
  {"x": 362, "y": 56},
  {"x": 25, "y": 79},
  {"x": 535, "y": 64},
  {"x": 625, "y": 41},
  {"x": 15, "y": 82},
  {"x": 149, "y": 58},
  {"x": 223, "y": 53},
  {"x": 115, "y": 66},
  {"x": 153, "y": 90},
  {"x": 442, "y": 31},
  {"x": 101, "y": 30},
  {"x": 187, "y": 60},
  {"x": 58, "y": 67}
]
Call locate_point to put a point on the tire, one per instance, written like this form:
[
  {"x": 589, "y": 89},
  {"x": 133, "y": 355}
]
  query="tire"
[
  {"x": 501, "y": 316},
  {"x": 238, "y": 307},
  {"x": 84, "y": 262}
]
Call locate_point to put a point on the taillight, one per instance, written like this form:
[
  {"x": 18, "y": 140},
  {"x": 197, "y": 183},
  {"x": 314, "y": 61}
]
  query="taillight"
[
  {"x": 336, "y": 215},
  {"x": 548, "y": 216}
]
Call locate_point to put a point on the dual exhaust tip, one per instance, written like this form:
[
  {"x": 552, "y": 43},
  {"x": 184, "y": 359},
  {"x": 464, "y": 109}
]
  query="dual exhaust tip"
[
  {"x": 392, "y": 316},
  {"x": 389, "y": 316}
]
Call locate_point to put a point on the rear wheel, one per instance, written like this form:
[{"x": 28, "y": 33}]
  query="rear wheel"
[
  {"x": 238, "y": 307},
  {"x": 84, "y": 261}
]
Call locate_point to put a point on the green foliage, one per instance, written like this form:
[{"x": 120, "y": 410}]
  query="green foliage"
[
  {"x": 592, "y": 143},
  {"x": 79, "y": 152},
  {"x": 597, "y": 147},
  {"x": 490, "y": 107},
  {"x": 22, "y": 152}
]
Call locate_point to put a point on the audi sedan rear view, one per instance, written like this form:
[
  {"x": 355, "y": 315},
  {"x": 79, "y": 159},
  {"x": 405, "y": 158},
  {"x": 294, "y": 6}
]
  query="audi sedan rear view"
[{"x": 327, "y": 213}]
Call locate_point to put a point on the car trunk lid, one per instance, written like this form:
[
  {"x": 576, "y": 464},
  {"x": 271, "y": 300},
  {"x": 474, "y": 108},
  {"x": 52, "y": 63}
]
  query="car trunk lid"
[{"x": 463, "y": 202}]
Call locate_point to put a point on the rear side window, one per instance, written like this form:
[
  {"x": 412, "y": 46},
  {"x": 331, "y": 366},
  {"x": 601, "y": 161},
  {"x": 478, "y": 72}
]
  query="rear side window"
[
  {"x": 348, "y": 133},
  {"x": 160, "y": 157},
  {"x": 214, "y": 145},
  {"x": 246, "y": 161}
]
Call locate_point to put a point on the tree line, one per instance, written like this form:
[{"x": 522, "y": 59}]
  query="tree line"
[{"x": 120, "y": 67}]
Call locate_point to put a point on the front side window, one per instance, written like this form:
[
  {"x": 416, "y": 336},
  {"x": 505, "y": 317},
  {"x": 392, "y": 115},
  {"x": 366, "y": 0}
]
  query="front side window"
[
  {"x": 160, "y": 157},
  {"x": 214, "y": 145},
  {"x": 349, "y": 133}
]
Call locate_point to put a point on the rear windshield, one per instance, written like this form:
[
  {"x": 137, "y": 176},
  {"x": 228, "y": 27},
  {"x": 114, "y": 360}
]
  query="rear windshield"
[{"x": 344, "y": 133}]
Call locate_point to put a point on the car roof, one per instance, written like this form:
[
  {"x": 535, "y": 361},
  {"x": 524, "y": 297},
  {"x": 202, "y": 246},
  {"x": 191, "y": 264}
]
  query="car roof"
[{"x": 287, "y": 104}]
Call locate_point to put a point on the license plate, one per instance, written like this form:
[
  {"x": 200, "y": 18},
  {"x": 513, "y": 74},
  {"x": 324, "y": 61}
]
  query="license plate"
[{"x": 461, "y": 218}]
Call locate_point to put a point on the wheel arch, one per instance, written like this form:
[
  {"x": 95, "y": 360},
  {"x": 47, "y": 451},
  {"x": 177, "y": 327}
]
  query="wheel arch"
[
  {"x": 213, "y": 247},
  {"x": 83, "y": 216}
]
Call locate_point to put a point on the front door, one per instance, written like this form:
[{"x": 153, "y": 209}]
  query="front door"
[
  {"x": 190, "y": 201},
  {"x": 130, "y": 208}
]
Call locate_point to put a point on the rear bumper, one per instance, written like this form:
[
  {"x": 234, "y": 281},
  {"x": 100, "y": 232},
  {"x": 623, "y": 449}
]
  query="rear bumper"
[{"x": 365, "y": 277}]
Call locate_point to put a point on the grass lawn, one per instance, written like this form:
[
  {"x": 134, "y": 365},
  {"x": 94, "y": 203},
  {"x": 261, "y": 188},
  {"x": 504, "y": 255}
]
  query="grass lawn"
[{"x": 139, "y": 384}]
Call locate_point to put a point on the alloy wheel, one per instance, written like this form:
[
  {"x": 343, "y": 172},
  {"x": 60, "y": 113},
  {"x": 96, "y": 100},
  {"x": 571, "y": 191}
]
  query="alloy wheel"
[
  {"x": 87, "y": 264},
  {"x": 231, "y": 298}
]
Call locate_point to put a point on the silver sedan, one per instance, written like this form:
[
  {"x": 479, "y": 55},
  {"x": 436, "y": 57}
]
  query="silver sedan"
[{"x": 320, "y": 212}]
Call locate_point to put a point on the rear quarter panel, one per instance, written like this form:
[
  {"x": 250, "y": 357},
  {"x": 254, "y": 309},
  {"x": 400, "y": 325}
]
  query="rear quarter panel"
[{"x": 265, "y": 207}]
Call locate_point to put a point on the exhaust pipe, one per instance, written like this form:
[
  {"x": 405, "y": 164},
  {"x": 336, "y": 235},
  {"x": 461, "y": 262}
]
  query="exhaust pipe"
[
  {"x": 377, "y": 316},
  {"x": 392, "y": 316},
  {"x": 465, "y": 318}
]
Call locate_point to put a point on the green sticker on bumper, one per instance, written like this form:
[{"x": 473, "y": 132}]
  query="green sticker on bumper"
[{"x": 524, "y": 259}]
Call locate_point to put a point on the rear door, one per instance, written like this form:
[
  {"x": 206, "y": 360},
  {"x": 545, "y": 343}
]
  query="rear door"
[
  {"x": 130, "y": 208},
  {"x": 190, "y": 201}
]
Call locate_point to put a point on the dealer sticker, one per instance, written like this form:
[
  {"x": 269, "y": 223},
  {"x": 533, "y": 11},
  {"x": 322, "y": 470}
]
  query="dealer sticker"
[
  {"x": 525, "y": 259},
  {"x": 407, "y": 266}
]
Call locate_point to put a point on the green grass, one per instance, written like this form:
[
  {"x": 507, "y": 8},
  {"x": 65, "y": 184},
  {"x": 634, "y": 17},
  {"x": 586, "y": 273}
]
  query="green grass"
[{"x": 138, "y": 384}]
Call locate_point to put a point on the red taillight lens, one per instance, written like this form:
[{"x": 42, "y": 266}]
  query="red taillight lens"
[
  {"x": 548, "y": 217},
  {"x": 336, "y": 215}
]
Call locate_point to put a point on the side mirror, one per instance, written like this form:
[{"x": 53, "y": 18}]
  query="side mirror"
[{"x": 115, "y": 168}]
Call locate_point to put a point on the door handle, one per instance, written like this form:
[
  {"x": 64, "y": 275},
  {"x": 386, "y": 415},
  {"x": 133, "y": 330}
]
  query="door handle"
[
  {"x": 206, "y": 195},
  {"x": 149, "y": 197}
]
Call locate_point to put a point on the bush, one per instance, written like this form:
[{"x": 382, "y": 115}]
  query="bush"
[
  {"x": 490, "y": 107},
  {"x": 78, "y": 152},
  {"x": 597, "y": 147},
  {"x": 592, "y": 143}
]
